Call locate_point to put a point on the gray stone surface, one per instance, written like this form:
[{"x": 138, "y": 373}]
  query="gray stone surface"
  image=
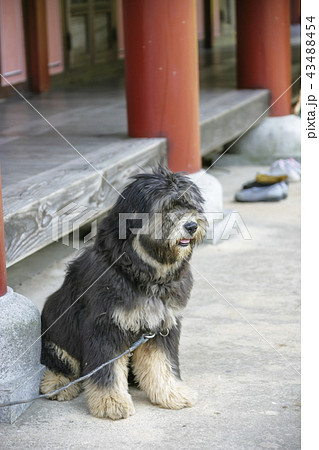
[
  {"x": 212, "y": 192},
  {"x": 225, "y": 117},
  {"x": 20, "y": 346},
  {"x": 273, "y": 138},
  {"x": 239, "y": 348}
]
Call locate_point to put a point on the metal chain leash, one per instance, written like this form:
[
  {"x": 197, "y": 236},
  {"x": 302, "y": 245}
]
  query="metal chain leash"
[{"x": 144, "y": 338}]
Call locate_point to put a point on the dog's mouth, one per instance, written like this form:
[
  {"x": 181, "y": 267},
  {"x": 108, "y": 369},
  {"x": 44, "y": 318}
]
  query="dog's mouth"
[{"x": 184, "y": 242}]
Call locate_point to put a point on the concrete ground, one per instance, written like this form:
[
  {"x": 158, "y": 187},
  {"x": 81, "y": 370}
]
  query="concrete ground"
[{"x": 239, "y": 346}]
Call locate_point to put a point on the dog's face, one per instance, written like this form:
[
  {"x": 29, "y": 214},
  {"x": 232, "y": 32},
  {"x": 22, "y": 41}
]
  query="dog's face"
[
  {"x": 175, "y": 228},
  {"x": 164, "y": 216}
]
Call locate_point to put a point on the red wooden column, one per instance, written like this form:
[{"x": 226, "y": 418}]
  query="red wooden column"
[
  {"x": 37, "y": 45},
  {"x": 3, "y": 270},
  {"x": 162, "y": 86},
  {"x": 263, "y": 49}
]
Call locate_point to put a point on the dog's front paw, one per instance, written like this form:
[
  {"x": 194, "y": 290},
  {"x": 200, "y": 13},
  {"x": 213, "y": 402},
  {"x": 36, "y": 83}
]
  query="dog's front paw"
[
  {"x": 104, "y": 403},
  {"x": 52, "y": 381},
  {"x": 178, "y": 397},
  {"x": 118, "y": 408}
]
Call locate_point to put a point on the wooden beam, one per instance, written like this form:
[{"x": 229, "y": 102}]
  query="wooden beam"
[
  {"x": 37, "y": 45},
  {"x": 30, "y": 210},
  {"x": 208, "y": 24},
  {"x": 295, "y": 11},
  {"x": 120, "y": 30}
]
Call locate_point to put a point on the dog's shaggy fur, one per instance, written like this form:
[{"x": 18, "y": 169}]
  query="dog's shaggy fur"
[{"x": 120, "y": 288}]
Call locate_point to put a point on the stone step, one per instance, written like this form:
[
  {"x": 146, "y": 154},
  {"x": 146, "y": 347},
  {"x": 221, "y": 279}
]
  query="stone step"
[{"x": 31, "y": 204}]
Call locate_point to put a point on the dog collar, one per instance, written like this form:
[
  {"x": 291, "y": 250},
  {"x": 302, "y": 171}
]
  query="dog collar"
[{"x": 162, "y": 332}]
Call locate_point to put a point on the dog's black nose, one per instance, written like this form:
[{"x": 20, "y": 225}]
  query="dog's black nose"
[{"x": 191, "y": 227}]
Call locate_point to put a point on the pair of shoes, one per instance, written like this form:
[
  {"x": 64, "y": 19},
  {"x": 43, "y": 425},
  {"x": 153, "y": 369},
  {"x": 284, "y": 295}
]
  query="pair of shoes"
[
  {"x": 289, "y": 167},
  {"x": 270, "y": 193}
]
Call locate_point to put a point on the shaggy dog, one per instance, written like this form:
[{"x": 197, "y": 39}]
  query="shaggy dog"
[{"x": 134, "y": 279}]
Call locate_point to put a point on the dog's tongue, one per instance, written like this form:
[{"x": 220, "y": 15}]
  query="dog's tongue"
[{"x": 184, "y": 241}]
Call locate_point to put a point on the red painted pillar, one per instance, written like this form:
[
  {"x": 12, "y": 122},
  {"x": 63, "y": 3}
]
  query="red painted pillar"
[
  {"x": 263, "y": 49},
  {"x": 3, "y": 270},
  {"x": 162, "y": 86}
]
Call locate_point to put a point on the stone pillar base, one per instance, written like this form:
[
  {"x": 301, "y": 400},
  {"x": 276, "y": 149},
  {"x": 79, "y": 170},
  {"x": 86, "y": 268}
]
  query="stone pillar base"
[
  {"x": 273, "y": 138},
  {"x": 212, "y": 192},
  {"x": 20, "y": 348}
]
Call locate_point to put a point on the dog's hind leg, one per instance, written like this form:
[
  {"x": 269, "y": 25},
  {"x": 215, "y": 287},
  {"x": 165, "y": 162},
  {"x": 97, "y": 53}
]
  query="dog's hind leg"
[
  {"x": 61, "y": 369},
  {"x": 107, "y": 395},
  {"x": 158, "y": 375}
]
